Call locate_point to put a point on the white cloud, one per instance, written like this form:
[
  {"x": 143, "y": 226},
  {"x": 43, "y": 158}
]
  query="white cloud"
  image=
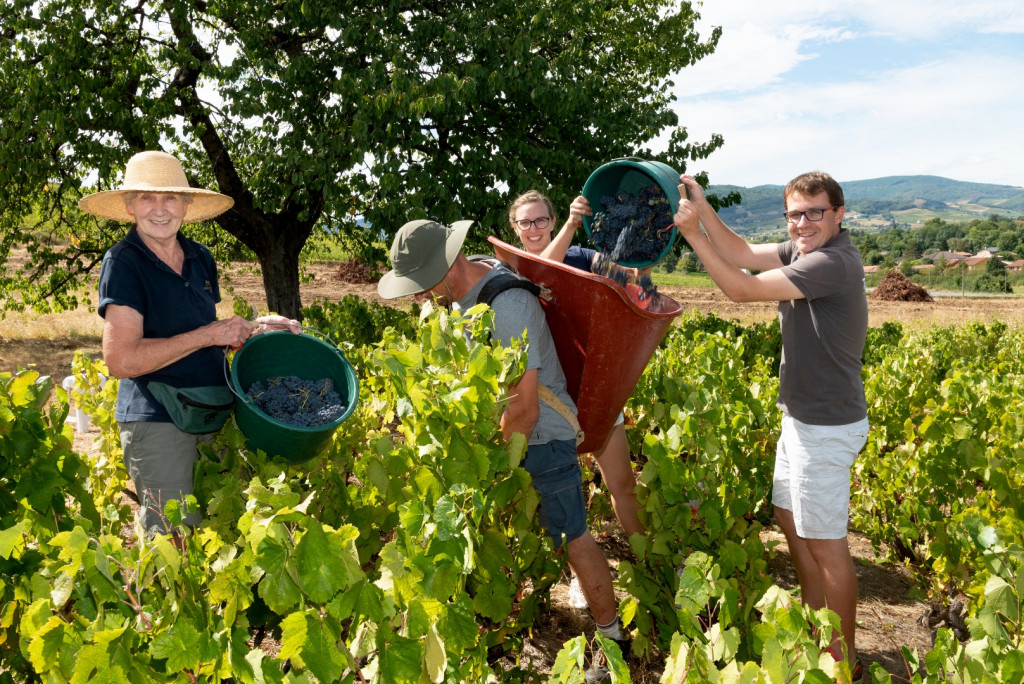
[
  {"x": 746, "y": 58},
  {"x": 937, "y": 109},
  {"x": 897, "y": 19}
]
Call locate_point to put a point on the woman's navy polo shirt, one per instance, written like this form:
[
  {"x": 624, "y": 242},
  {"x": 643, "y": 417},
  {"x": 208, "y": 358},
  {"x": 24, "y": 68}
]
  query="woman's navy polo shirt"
[
  {"x": 580, "y": 257},
  {"x": 170, "y": 304}
]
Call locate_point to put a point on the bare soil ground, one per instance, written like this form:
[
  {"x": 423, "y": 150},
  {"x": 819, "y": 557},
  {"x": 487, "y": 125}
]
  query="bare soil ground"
[
  {"x": 887, "y": 618},
  {"x": 48, "y": 342}
]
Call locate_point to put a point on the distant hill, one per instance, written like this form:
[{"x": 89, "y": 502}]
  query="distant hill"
[{"x": 905, "y": 201}]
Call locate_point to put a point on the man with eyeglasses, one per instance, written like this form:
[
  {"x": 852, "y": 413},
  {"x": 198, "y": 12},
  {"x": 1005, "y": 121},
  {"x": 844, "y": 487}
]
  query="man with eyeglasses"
[{"x": 818, "y": 279}]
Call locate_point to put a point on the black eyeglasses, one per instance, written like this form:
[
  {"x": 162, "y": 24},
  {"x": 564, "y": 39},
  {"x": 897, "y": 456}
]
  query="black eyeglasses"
[
  {"x": 538, "y": 223},
  {"x": 810, "y": 214}
]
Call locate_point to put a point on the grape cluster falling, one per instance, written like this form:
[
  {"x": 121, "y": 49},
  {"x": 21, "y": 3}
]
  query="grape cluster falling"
[
  {"x": 648, "y": 290},
  {"x": 292, "y": 400},
  {"x": 633, "y": 228}
]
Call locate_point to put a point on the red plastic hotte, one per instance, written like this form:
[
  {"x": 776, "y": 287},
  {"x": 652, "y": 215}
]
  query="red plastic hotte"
[{"x": 604, "y": 333}]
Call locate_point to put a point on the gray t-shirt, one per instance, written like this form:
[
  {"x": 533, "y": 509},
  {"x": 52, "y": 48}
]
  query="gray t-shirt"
[
  {"x": 517, "y": 311},
  {"x": 823, "y": 335}
]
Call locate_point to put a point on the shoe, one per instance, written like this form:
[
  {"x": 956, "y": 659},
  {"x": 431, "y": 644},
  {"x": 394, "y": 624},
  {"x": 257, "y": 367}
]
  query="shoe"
[
  {"x": 577, "y": 599},
  {"x": 598, "y": 670}
]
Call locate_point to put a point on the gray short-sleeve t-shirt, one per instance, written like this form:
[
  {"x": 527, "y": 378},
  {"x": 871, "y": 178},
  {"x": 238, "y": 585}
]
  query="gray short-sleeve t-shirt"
[
  {"x": 823, "y": 334},
  {"x": 517, "y": 311}
]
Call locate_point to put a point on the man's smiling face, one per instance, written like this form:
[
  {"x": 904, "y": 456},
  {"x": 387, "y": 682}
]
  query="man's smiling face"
[{"x": 811, "y": 235}]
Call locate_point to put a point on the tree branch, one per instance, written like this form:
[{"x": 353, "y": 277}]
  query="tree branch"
[{"x": 183, "y": 87}]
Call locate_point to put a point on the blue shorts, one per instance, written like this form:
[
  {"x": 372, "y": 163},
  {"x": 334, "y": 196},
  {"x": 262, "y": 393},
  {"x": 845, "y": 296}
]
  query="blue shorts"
[{"x": 555, "y": 469}]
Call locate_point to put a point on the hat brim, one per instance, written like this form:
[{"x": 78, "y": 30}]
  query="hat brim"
[
  {"x": 109, "y": 204},
  {"x": 392, "y": 285}
]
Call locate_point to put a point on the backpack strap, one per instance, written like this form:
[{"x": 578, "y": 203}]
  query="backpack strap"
[
  {"x": 549, "y": 398},
  {"x": 507, "y": 279}
]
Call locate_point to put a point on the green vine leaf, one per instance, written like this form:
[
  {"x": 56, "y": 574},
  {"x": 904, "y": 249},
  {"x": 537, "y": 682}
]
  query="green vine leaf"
[{"x": 312, "y": 641}]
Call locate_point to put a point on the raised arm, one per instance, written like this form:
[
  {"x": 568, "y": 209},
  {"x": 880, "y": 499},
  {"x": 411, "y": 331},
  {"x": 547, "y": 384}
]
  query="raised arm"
[
  {"x": 730, "y": 246},
  {"x": 738, "y": 285},
  {"x": 561, "y": 242}
]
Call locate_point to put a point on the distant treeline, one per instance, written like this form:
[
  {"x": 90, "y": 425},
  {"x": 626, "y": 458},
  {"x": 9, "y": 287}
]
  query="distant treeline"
[{"x": 886, "y": 247}]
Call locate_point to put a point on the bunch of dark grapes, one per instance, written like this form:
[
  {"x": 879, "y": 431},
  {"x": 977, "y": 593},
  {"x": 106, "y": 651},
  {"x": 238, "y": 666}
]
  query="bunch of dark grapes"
[
  {"x": 633, "y": 228},
  {"x": 292, "y": 400}
]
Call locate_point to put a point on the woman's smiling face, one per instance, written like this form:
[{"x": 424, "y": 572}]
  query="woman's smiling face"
[
  {"x": 534, "y": 239},
  {"x": 158, "y": 215}
]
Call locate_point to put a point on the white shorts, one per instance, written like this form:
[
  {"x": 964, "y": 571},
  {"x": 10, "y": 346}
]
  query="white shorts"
[{"x": 812, "y": 475}]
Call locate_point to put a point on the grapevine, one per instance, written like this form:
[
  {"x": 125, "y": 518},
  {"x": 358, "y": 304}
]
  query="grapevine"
[{"x": 409, "y": 552}]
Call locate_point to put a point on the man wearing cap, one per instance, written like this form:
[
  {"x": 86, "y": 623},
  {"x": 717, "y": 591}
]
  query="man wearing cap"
[
  {"x": 158, "y": 294},
  {"x": 427, "y": 262}
]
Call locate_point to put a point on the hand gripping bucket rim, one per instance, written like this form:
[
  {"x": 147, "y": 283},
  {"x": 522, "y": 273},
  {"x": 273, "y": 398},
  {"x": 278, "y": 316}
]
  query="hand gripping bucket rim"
[
  {"x": 631, "y": 174},
  {"x": 282, "y": 353}
]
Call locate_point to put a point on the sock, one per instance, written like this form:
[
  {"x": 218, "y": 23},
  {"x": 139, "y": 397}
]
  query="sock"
[{"x": 611, "y": 630}]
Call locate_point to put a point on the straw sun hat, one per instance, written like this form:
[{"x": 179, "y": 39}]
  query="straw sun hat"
[{"x": 155, "y": 172}]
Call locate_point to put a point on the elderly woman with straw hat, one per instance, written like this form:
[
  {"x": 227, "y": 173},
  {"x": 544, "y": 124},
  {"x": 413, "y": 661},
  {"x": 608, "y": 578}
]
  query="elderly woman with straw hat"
[{"x": 158, "y": 295}]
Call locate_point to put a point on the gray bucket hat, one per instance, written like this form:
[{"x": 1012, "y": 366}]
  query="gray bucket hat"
[{"x": 421, "y": 255}]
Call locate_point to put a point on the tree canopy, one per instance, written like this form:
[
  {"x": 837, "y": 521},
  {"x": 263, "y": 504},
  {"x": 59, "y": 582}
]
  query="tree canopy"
[{"x": 326, "y": 115}]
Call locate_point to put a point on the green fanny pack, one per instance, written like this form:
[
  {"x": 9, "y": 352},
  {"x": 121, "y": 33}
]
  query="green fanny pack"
[{"x": 195, "y": 410}]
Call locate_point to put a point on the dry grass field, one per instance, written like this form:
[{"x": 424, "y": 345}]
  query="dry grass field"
[{"x": 47, "y": 343}]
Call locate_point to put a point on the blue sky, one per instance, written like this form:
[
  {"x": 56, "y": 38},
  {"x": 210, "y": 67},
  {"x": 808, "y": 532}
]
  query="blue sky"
[{"x": 859, "y": 89}]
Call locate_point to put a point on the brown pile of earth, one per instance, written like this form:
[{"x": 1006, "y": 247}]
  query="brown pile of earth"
[
  {"x": 353, "y": 271},
  {"x": 896, "y": 287}
]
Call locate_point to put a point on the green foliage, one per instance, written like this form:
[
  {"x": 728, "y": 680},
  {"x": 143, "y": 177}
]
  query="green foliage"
[
  {"x": 704, "y": 410},
  {"x": 988, "y": 282},
  {"x": 359, "y": 322},
  {"x": 682, "y": 278},
  {"x": 880, "y": 342},
  {"x": 943, "y": 448},
  {"x": 324, "y": 118},
  {"x": 42, "y": 495},
  {"x": 409, "y": 551}
]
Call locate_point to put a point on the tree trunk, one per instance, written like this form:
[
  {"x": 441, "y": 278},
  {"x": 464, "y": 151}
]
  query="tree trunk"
[
  {"x": 281, "y": 282},
  {"x": 277, "y": 241},
  {"x": 277, "y": 244}
]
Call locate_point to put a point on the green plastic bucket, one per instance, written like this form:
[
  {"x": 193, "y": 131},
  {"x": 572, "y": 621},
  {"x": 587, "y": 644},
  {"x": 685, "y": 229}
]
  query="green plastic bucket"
[
  {"x": 631, "y": 175},
  {"x": 282, "y": 353}
]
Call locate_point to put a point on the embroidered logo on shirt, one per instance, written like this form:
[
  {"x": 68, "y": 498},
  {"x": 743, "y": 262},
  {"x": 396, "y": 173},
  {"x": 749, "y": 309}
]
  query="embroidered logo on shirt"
[{"x": 207, "y": 287}]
